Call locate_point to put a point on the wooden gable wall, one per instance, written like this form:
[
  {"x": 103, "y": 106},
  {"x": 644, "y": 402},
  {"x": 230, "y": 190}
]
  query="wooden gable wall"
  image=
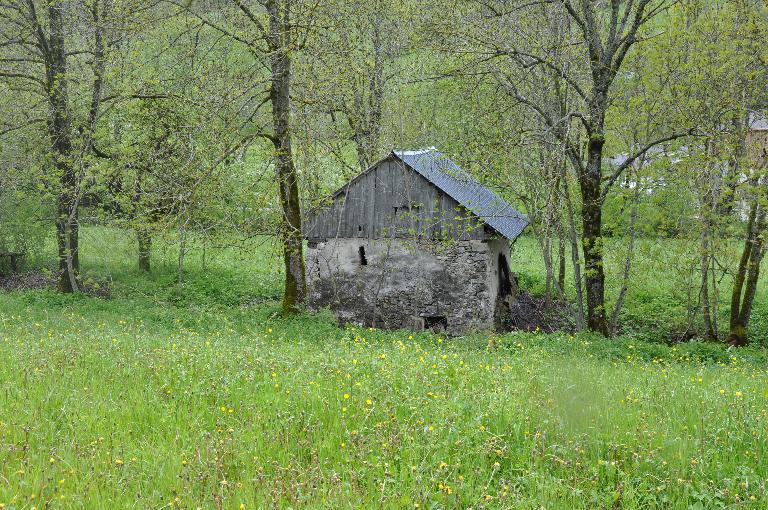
[{"x": 392, "y": 200}]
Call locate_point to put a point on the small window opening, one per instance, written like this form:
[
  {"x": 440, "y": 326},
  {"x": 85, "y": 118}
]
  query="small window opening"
[
  {"x": 363, "y": 260},
  {"x": 435, "y": 322},
  {"x": 359, "y": 228}
]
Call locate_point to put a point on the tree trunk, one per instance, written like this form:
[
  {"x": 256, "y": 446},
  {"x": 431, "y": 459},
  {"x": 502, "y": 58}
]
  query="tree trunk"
[
  {"x": 708, "y": 206},
  {"x": 627, "y": 261},
  {"x": 710, "y": 332},
  {"x": 737, "y": 337},
  {"x": 546, "y": 249},
  {"x": 182, "y": 255},
  {"x": 369, "y": 104},
  {"x": 706, "y": 268},
  {"x": 66, "y": 239},
  {"x": 592, "y": 236},
  {"x": 144, "y": 238},
  {"x": 575, "y": 260},
  {"x": 295, "y": 294},
  {"x": 560, "y": 253},
  {"x": 749, "y": 270},
  {"x": 758, "y": 252},
  {"x": 60, "y": 132}
]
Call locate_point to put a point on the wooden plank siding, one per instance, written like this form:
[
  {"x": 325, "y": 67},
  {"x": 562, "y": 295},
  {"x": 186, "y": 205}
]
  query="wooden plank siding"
[{"x": 391, "y": 200}]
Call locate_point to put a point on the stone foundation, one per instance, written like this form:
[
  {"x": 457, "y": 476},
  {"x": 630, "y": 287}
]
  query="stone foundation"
[{"x": 396, "y": 283}]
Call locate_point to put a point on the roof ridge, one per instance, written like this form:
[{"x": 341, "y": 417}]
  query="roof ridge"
[{"x": 463, "y": 187}]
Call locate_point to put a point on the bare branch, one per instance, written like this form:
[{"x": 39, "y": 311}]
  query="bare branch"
[
  {"x": 9, "y": 129},
  {"x": 610, "y": 180},
  {"x": 208, "y": 23},
  {"x": 551, "y": 65},
  {"x": 9, "y": 74}
]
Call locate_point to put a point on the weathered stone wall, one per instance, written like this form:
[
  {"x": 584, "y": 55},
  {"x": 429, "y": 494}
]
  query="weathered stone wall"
[{"x": 403, "y": 281}]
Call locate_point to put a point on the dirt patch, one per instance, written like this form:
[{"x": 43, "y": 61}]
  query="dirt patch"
[
  {"x": 528, "y": 313},
  {"x": 27, "y": 281},
  {"x": 35, "y": 280}
]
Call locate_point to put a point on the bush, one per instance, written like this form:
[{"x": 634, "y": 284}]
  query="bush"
[{"x": 23, "y": 227}]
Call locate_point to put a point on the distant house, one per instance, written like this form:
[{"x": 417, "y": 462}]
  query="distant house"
[
  {"x": 757, "y": 138},
  {"x": 413, "y": 242},
  {"x": 755, "y": 150}
]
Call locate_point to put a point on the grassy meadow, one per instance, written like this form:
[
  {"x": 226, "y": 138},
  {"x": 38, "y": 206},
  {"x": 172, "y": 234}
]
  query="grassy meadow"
[{"x": 201, "y": 396}]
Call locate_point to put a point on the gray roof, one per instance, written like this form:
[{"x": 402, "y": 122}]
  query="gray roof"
[
  {"x": 438, "y": 169},
  {"x": 758, "y": 121}
]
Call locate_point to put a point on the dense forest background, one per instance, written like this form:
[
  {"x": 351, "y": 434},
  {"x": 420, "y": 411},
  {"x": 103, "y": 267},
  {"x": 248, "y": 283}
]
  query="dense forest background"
[{"x": 632, "y": 134}]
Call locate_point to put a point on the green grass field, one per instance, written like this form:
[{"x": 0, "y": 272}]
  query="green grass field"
[{"x": 202, "y": 397}]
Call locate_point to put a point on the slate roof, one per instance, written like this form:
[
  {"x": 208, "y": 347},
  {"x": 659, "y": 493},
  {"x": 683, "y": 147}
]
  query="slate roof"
[
  {"x": 758, "y": 121},
  {"x": 438, "y": 169}
]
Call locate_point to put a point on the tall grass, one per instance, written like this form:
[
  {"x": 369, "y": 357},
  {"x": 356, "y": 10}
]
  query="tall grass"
[
  {"x": 202, "y": 397},
  {"x": 227, "y": 271},
  {"x": 104, "y": 412}
]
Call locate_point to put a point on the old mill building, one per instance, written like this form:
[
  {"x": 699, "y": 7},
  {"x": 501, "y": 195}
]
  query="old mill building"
[{"x": 413, "y": 242}]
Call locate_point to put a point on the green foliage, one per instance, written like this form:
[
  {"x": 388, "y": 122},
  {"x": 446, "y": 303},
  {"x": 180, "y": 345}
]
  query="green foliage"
[
  {"x": 246, "y": 408},
  {"x": 23, "y": 223},
  {"x": 206, "y": 383},
  {"x": 118, "y": 401},
  {"x": 21, "y": 227},
  {"x": 635, "y": 348},
  {"x": 660, "y": 290}
]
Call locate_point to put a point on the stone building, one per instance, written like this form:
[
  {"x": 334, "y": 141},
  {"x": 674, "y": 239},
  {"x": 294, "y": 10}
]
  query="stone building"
[{"x": 413, "y": 242}]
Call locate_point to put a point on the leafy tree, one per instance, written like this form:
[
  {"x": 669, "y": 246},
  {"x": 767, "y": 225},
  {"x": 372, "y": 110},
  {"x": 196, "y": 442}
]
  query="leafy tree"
[
  {"x": 57, "y": 53},
  {"x": 272, "y": 31}
]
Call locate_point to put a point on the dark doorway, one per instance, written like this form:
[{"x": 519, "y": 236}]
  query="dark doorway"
[{"x": 505, "y": 280}]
